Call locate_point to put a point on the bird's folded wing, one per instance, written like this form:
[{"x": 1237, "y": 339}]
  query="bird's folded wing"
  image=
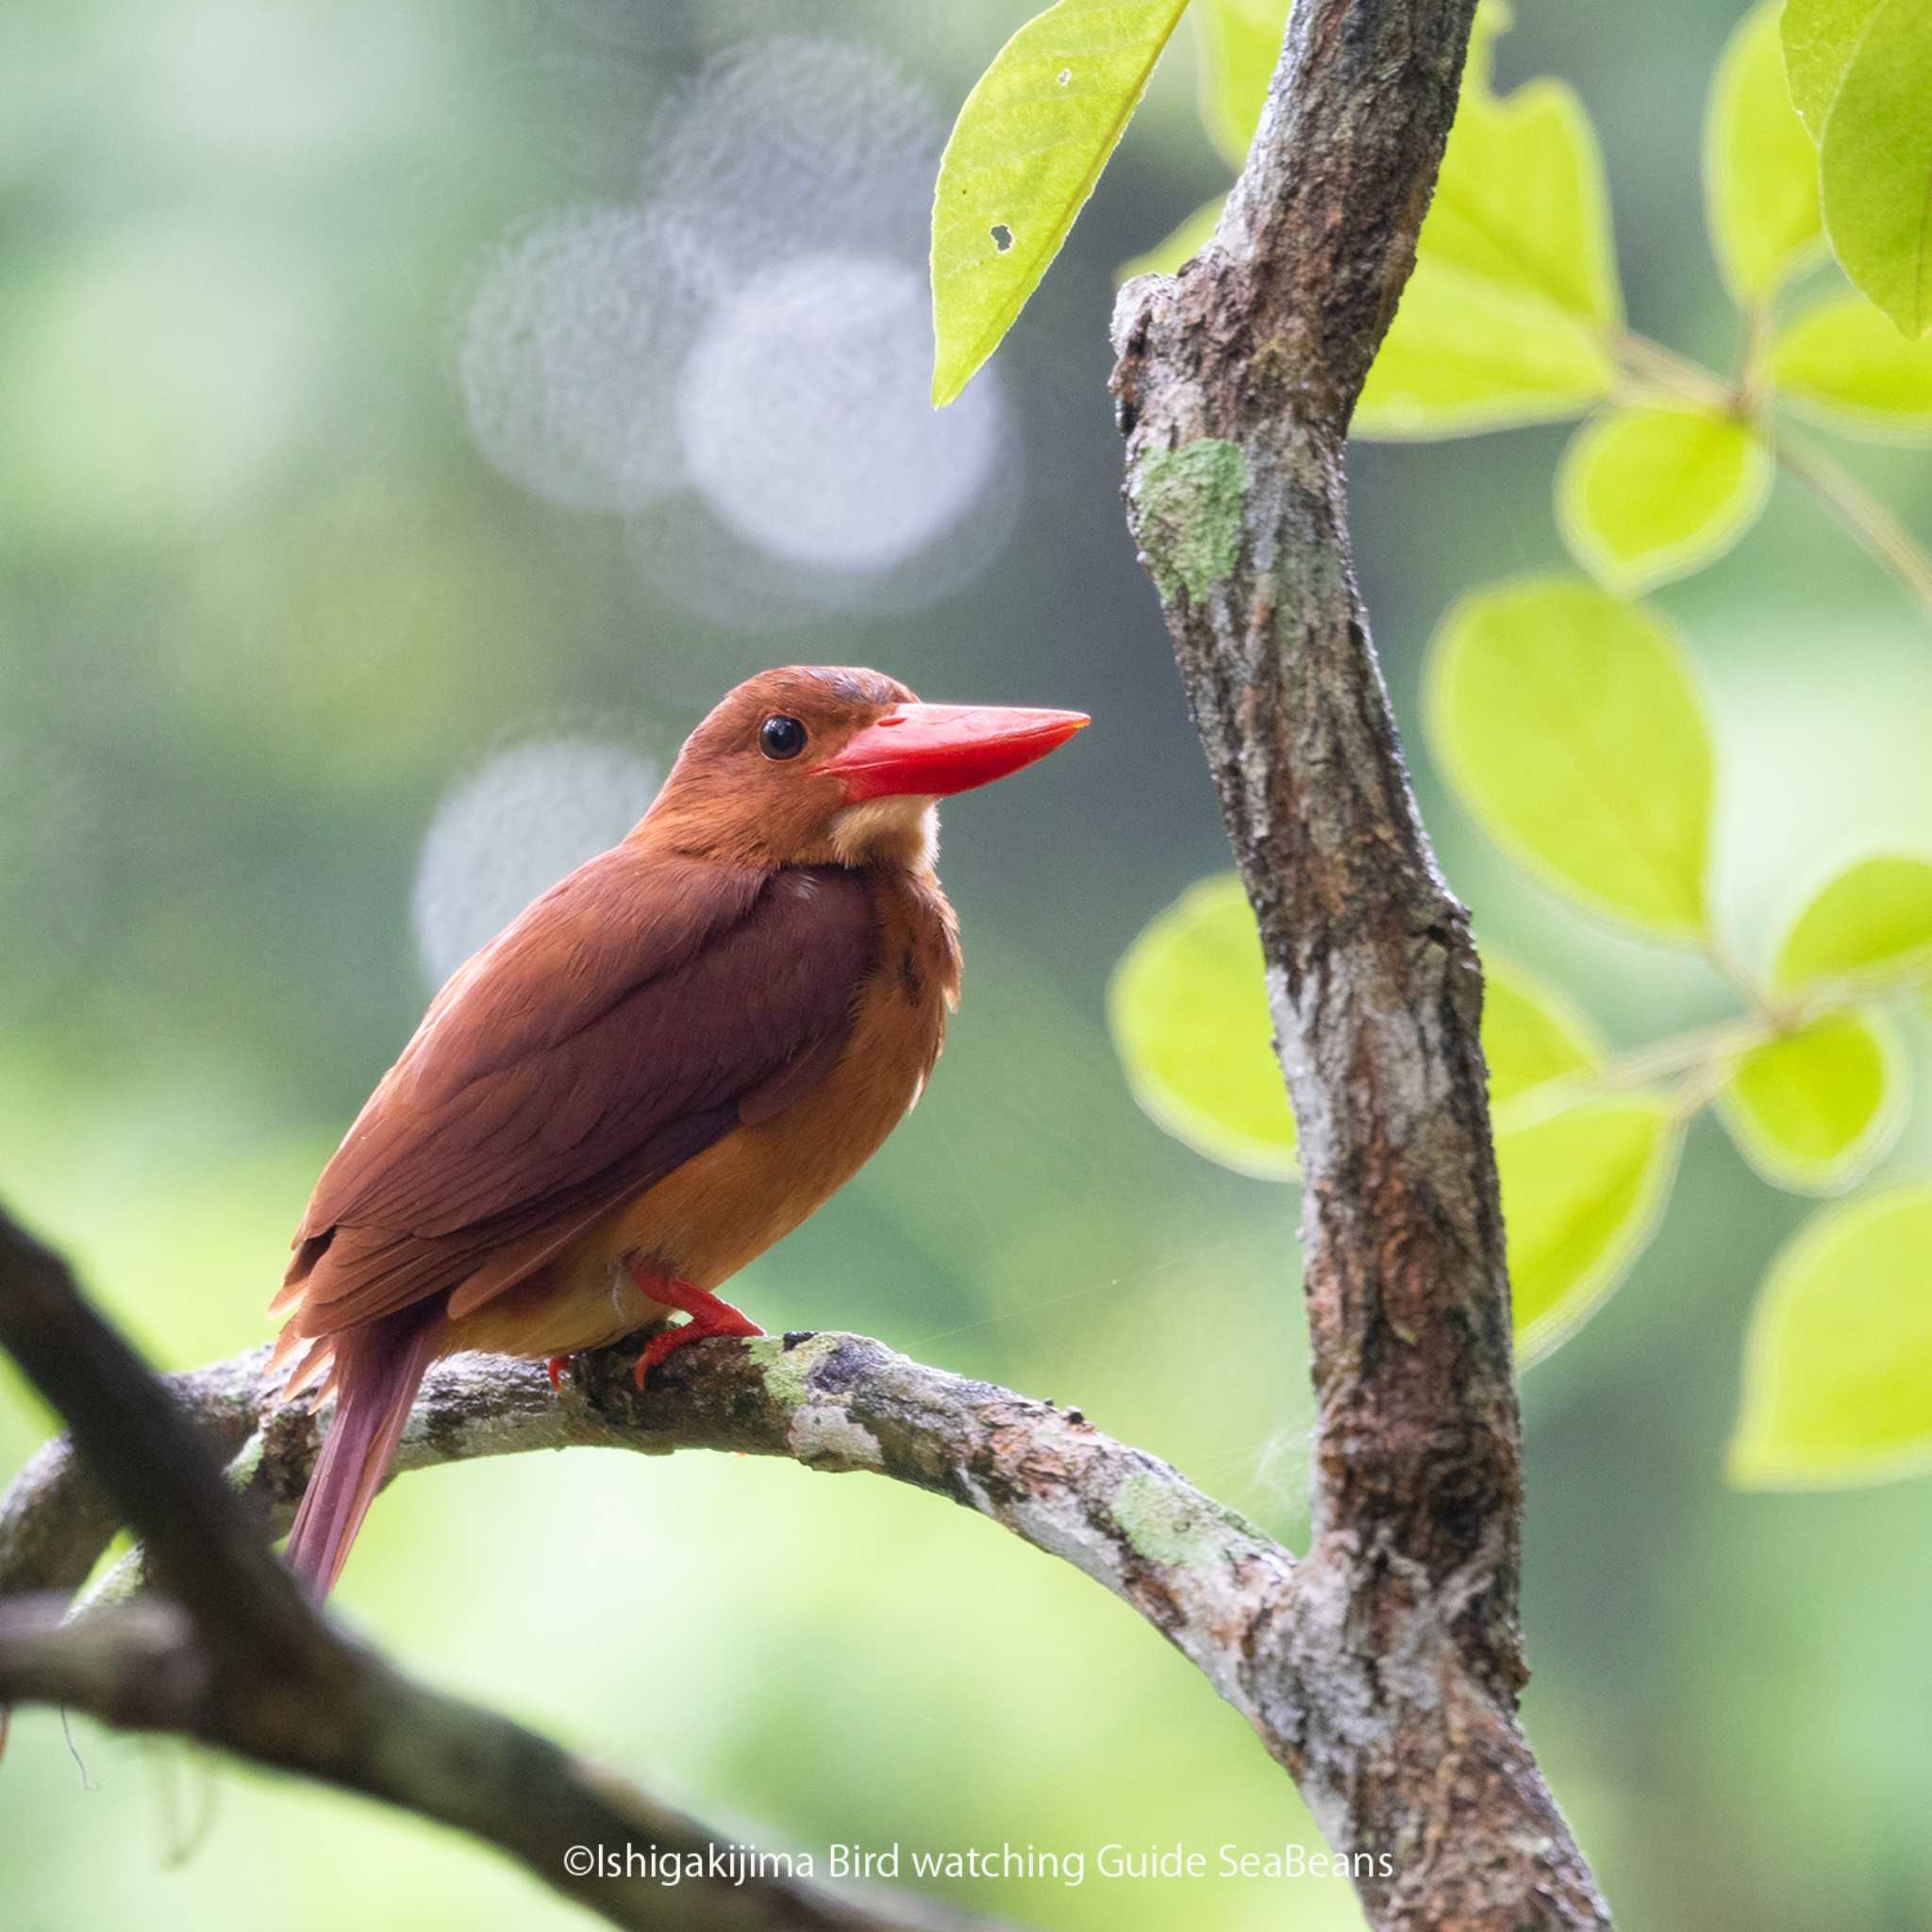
[{"x": 635, "y": 1014}]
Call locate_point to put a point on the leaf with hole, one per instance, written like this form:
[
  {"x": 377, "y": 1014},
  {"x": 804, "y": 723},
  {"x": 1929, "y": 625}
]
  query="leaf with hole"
[
  {"x": 1760, "y": 169},
  {"x": 1188, "y": 1010},
  {"x": 1871, "y": 925},
  {"x": 1568, "y": 727},
  {"x": 1647, "y": 495},
  {"x": 1843, "y": 361},
  {"x": 1582, "y": 1192},
  {"x": 1814, "y": 1109},
  {"x": 1507, "y": 318},
  {"x": 1875, "y": 164},
  {"x": 1029, "y": 144},
  {"x": 1240, "y": 43},
  {"x": 1837, "y": 1359}
]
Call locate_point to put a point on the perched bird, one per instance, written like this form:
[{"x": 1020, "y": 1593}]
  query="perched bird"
[{"x": 661, "y": 1068}]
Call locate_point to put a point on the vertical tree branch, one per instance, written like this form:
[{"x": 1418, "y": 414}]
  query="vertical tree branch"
[{"x": 1234, "y": 384}]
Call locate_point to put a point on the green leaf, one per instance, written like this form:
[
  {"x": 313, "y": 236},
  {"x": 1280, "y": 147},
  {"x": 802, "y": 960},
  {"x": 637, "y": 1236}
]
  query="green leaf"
[
  {"x": 1188, "y": 1010},
  {"x": 1871, "y": 923},
  {"x": 1814, "y": 1109},
  {"x": 1240, "y": 46},
  {"x": 1760, "y": 169},
  {"x": 1582, "y": 1193},
  {"x": 1821, "y": 36},
  {"x": 1845, "y": 361},
  {"x": 1838, "y": 1361},
  {"x": 1646, "y": 495},
  {"x": 1023, "y": 156},
  {"x": 1875, "y": 164},
  {"x": 1531, "y": 1034},
  {"x": 1506, "y": 316},
  {"x": 1569, "y": 725},
  {"x": 1521, "y": 198},
  {"x": 1168, "y": 257},
  {"x": 1466, "y": 354}
]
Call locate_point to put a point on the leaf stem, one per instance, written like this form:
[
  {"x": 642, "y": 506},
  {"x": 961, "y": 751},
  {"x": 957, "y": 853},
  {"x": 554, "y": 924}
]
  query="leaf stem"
[
  {"x": 1742, "y": 980},
  {"x": 1663, "y": 366},
  {"x": 1861, "y": 513},
  {"x": 1705, "y": 1053}
]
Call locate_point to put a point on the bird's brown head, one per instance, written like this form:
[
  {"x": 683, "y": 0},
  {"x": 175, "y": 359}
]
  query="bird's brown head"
[{"x": 821, "y": 765}]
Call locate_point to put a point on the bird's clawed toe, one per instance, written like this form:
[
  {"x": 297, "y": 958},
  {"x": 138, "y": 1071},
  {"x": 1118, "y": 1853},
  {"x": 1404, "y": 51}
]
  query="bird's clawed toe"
[{"x": 709, "y": 1316}]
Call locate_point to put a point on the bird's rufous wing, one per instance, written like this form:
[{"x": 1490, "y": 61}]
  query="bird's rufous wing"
[{"x": 631, "y": 1017}]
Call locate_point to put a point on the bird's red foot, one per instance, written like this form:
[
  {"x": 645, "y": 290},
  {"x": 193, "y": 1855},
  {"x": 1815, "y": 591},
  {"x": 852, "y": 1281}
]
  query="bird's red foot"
[
  {"x": 709, "y": 1316},
  {"x": 555, "y": 1367}
]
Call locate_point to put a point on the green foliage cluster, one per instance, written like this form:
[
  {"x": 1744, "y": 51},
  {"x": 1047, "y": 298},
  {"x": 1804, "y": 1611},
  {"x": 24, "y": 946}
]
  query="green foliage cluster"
[
  {"x": 1513, "y": 314},
  {"x": 1562, "y": 711},
  {"x": 1569, "y": 724}
]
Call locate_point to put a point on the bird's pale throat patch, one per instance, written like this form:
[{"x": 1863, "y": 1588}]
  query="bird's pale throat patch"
[{"x": 904, "y": 829}]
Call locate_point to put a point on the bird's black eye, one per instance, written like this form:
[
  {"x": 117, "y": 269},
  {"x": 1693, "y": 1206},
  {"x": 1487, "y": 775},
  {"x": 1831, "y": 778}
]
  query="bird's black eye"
[{"x": 781, "y": 738}]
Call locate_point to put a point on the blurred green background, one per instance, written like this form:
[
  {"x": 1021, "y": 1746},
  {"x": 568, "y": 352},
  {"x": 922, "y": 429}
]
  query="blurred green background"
[{"x": 264, "y": 607}]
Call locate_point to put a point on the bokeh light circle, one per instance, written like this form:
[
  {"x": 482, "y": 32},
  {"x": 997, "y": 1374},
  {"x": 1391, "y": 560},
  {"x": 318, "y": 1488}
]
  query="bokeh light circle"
[
  {"x": 534, "y": 812},
  {"x": 805, "y": 422},
  {"x": 567, "y": 361}
]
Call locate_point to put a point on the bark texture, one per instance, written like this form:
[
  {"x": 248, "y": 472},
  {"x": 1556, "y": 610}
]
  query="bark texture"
[{"x": 1234, "y": 386}]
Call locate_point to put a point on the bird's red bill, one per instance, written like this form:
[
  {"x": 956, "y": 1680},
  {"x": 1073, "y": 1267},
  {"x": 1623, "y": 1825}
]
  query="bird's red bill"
[{"x": 935, "y": 750}]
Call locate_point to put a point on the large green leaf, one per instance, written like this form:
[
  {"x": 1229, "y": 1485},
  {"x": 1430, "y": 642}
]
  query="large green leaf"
[
  {"x": 1838, "y": 1362},
  {"x": 1821, "y": 36},
  {"x": 1188, "y": 1010},
  {"x": 1760, "y": 169},
  {"x": 1465, "y": 354},
  {"x": 1843, "y": 360},
  {"x": 1521, "y": 199},
  {"x": 1239, "y": 45},
  {"x": 1815, "y": 1109},
  {"x": 1506, "y": 316},
  {"x": 1569, "y": 725},
  {"x": 1531, "y": 1034},
  {"x": 1024, "y": 154},
  {"x": 1173, "y": 251},
  {"x": 1875, "y": 164},
  {"x": 1646, "y": 495},
  {"x": 1582, "y": 1192},
  {"x": 1871, "y": 923}
]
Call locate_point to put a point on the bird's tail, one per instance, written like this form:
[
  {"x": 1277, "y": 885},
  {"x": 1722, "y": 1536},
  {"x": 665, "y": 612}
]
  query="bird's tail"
[{"x": 377, "y": 1370}]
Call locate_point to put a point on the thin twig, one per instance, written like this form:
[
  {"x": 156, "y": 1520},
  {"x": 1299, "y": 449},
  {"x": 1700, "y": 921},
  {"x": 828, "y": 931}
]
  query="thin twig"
[
  {"x": 1663, "y": 368},
  {"x": 1861, "y": 513}
]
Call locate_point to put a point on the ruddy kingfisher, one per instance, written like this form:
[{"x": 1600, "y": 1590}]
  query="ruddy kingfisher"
[{"x": 661, "y": 1068}]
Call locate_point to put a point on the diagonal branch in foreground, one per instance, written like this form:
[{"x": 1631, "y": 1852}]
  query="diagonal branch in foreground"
[
  {"x": 1234, "y": 385},
  {"x": 229, "y": 1651}
]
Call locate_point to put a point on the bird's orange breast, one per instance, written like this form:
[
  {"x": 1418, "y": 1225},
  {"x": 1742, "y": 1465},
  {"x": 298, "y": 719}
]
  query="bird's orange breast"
[{"x": 718, "y": 1211}]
